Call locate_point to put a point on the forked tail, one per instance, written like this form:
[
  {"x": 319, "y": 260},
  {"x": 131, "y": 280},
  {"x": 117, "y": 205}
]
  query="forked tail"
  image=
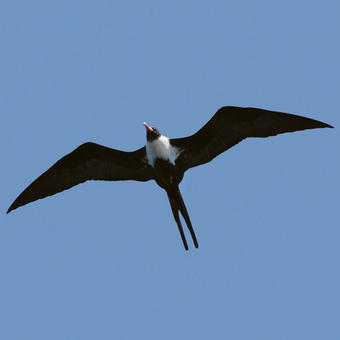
[{"x": 177, "y": 204}]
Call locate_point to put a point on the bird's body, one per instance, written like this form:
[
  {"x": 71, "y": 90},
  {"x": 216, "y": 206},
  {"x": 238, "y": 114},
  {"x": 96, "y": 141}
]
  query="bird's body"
[{"x": 163, "y": 159}]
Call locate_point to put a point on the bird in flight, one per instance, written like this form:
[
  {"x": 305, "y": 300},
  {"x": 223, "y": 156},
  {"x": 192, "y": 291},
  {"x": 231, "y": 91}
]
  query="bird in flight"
[{"x": 164, "y": 159}]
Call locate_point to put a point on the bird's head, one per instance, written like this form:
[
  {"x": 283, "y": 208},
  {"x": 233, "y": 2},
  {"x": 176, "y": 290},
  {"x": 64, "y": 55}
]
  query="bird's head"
[{"x": 151, "y": 132}]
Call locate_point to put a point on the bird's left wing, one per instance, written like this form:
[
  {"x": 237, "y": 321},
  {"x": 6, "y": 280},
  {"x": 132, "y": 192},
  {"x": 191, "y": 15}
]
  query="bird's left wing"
[
  {"x": 230, "y": 125},
  {"x": 89, "y": 161}
]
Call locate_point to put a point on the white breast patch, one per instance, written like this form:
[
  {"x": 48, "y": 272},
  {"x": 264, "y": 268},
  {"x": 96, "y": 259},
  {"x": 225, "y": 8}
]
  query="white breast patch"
[{"x": 161, "y": 148}]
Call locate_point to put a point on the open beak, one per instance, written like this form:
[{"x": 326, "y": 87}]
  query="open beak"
[{"x": 148, "y": 128}]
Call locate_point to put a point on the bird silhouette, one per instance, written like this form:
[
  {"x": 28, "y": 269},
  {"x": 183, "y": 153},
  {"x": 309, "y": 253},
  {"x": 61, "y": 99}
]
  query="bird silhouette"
[{"x": 164, "y": 159}]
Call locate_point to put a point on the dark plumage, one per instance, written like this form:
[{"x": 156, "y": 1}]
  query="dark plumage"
[{"x": 164, "y": 160}]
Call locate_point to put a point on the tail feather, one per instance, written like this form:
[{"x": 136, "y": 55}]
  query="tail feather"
[
  {"x": 174, "y": 208},
  {"x": 177, "y": 204}
]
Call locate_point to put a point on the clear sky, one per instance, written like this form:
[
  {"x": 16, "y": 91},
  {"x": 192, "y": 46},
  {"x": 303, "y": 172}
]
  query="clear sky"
[{"x": 104, "y": 260}]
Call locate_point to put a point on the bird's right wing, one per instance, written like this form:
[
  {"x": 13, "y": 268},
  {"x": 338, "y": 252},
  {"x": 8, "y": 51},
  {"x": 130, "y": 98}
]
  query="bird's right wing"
[
  {"x": 89, "y": 161},
  {"x": 230, "y": 125}
]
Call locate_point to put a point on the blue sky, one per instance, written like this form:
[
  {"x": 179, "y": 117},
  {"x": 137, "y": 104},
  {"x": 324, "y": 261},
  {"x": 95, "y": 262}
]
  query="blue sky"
[{"x": 105, "y": 260}]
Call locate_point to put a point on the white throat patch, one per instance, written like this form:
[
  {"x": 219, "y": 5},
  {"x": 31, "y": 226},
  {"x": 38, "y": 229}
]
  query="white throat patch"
[{"x": 161, "y": 148}]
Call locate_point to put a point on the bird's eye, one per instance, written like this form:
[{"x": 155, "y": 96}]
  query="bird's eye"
[{"x": 153, "y": 128}]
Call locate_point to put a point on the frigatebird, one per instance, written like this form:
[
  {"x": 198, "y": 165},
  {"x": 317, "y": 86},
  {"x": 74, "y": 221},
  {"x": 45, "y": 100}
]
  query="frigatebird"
[{"x": 164, "y": 159}]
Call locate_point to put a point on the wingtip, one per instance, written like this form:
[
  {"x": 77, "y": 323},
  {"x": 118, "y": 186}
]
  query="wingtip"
[
  {"x": 319, "y": 124},
  {"x": 13, "y": 206},
  {"x": 316, "y": 124},
  {"x": 325, "y": 125}
]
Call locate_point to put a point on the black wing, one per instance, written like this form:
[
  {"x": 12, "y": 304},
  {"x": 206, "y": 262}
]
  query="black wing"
[
  {"x": 230, "y": 125},
  {"x": 88, "y": 161}
]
